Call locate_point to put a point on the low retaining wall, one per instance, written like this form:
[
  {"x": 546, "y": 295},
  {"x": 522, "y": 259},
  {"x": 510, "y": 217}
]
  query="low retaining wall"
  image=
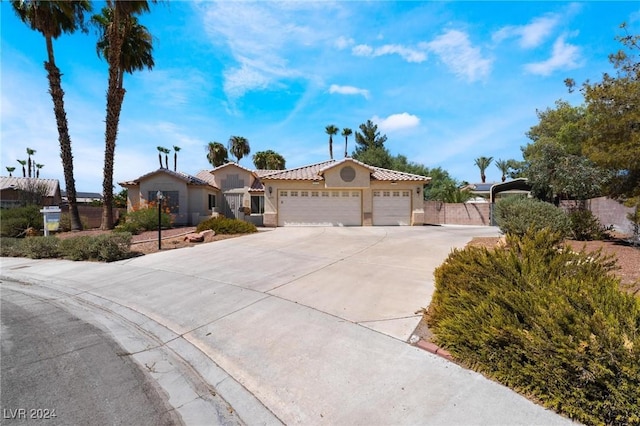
[{"x": 439, "y": 213}]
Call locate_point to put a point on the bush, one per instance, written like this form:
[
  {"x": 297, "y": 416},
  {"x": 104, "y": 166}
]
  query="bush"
[
  {"x": 546, "y": 321},
  {"x": 107, "y": 247},
  {"x": 223, "y": 225},
  {"x": 41, "y": 247},
  {"x": 14, "y": 222},
  {"x": 586, "y": 227},
  {"x": 143, "y": 220},
  {"x": 518, "y": 215},
  {"x": 11, "y": 247},
  {"x": 65, "y": 222}
]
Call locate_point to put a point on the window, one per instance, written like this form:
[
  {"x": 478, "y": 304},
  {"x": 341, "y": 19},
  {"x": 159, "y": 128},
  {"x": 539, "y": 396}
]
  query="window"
[
  {"x": 335, "y": 194},
  {"x": 304, "y": 193},
  {"x": 212, "y": 201},
  {"x": 345, "y": 194},
  {"x": 257, "y": 204},
  {"x": 314, "y": 193},
  {"x": 325, "y": 193},
  {"x": 355, "y": 194},
  {"x": 376, "y": 193},
  {"x": 396, "y": 193},
  {"x": 386, "y": 193},
  {"x": 171, "y": 200},
  {"x": 405, "y": 193},
  {"x": 283, "y": 193}
]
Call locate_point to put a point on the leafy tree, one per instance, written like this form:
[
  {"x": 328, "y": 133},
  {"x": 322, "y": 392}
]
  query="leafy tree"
[
  {"x": 217, "y": 154},
  {"x": 127, "y": 46},
  {"x": 10, "y": 170},
  {"x": 52, "y": 19},
  {"x": 346, "y": 132},
  {"x": 120, "y": 199},
  {"x": 23, "y": 163},
  {"x": 369, "y": 137},
  {"x": 331, "y": 130},
  {"x": 377, "y": 156},
  {"x": 176, "y": 149},
  {"x": 503, "y": 166},
  {"x": 566, "y": 125},
  {"x": 401, "y": 164},
  {"x": 269, "y": 160},
  {"x": 516, "y": 168},
  {"x": 483, "y": 163},
  {"x": 239, "y": 147}
]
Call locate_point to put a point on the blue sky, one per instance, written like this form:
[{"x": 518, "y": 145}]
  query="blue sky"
[{"x": 446, "y": 82}]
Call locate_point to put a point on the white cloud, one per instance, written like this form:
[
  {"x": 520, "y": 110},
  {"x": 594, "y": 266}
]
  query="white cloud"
[
  {"x": 396, "y": 121},
  {"x": 531, "y": 35},
  {"x": 343, "y": 42},
  {"x": 406, "y": 53},
  {"x": 565, "y": 56},
  {"x": 456, "y": 52},
  {"x": 348, "y": 90}
]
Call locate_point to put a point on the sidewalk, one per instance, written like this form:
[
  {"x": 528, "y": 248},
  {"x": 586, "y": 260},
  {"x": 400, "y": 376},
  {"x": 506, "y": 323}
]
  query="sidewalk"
[{"x": 274, "y": 359}]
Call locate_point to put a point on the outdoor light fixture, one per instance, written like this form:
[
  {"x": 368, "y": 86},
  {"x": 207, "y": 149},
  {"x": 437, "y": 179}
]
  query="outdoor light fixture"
[{"x": 159, "y": 196}]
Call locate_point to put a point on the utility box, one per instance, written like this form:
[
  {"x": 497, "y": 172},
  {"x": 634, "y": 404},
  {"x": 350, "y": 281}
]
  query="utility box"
[{"x": 51, "y": 216}]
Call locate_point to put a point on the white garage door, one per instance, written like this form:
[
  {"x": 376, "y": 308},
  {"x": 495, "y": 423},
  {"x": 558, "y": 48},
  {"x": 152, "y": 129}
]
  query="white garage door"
[
  {"x": 319, "y": 208},
  {"x": 391, "y": 207}
]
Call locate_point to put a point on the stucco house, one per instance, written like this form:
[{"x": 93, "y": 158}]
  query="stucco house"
[{"x": 343, "y": 192}]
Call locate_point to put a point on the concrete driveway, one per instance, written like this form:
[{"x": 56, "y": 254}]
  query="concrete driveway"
[{"x": 311, "y": 323}]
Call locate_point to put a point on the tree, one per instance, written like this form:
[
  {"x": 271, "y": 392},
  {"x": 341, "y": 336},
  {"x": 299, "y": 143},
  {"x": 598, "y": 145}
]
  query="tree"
[
  {"x": 127, "y": 46},
  {"x": 268, "y": 160},
  {"x": 217, "y": 154},
  {"x": 160, "y": 151},
  {"x": 52, "y": 19},
  {"x": 369, "y": 138},
  {"x": 483, "y": 163},
  {"x": 30, "y": 164},
  {"x": 503, "y": 166},
  {"x": 331, "y": 130},
  {"x": 176, "y": 149},
  {"x": 38, "y": 167},
  {"x": 346, "y": 132},
  {"x": 566, "y": 125},
  {"x": 120, "y": 199},
  {"x": 166, "y": 152},
  {"x": 23, "y": 163},
  {"x": 239, "y": 147},
  {"x": 10, "y": 170},
  {"x": 377, "y": 156}
]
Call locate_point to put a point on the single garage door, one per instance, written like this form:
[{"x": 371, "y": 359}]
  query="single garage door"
[
  {"x": 319, "y": 208},
  {"x": 391, "y": 207}
]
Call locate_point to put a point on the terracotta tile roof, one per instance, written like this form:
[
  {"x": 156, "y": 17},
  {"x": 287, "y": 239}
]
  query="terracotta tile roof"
[
  {"x": 206, "y": 176},
  {"x": 314, "y": 172},
  {"x": 256, "y": 186},
  {"x": 232, "y": 163},
  {"x": 190, "y": 180},
  {"x": 264, "y": 172},
  {"x": 16, "y": 183}
]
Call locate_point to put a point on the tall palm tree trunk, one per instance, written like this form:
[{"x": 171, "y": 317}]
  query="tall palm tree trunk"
[{"x": 57, "y": 95}]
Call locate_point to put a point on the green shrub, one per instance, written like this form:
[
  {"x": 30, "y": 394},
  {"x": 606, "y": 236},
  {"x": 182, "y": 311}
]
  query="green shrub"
[
  {"x": 41, "y": 247},
  {"x": 107, "y": 247},
  {"x": 546, "y": 321},
  {"x": 586, "y": 227},
  {"x": 518, "y": 215},
  {"x": 223, "y": 225},
  {"x": 143, "y": 220},
  {"x": 11, "y": 247},
  {"x": 14, "y": 222}
]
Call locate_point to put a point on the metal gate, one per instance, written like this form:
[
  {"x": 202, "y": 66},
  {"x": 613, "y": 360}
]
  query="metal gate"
[{"x": 232, "y": 204}]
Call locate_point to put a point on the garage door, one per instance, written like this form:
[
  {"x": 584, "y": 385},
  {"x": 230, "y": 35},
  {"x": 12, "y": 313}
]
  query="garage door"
[
  {"x": 319, "y": 208},
  {"x": 391, "y": 208}
]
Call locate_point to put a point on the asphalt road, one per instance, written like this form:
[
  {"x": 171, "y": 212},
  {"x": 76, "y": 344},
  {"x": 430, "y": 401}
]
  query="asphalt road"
[{"x": 59, "y": 370}]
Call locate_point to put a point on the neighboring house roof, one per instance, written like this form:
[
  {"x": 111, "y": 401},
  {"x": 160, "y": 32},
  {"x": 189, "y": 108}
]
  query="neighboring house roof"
[
  {"x": 190, "y": 180},
  {"x": 479, "y": 187},
  {"x": 52, "y": 186},
  {"x": 314, "y": 172},
  {"x": 92, "y": 195}
]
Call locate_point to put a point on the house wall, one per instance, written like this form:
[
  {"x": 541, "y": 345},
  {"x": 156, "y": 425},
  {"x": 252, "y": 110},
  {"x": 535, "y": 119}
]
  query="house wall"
[
  {"x": 362, "y": 179},
  {"x": 436, "y": 213},
  {"x": 199, "y": 203},
  {"x": 165, "y": 183}
]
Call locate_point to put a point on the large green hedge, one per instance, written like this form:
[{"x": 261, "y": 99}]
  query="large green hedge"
[
  {"x": 515, "y": 215},
  {"x": 546, "y": 321}
]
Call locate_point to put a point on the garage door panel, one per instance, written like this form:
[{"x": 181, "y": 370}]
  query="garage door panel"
[
  {"x": 391, "y": 207},
  {"x": 319, "y": 208}
]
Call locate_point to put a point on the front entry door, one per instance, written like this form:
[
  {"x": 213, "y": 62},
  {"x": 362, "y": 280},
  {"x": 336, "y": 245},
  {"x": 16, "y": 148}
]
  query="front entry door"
[{"x": 232, "y": 204}]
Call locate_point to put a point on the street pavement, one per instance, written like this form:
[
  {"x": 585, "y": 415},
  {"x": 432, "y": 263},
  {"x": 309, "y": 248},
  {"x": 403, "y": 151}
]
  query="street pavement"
[{"x": 292, "y": 325}]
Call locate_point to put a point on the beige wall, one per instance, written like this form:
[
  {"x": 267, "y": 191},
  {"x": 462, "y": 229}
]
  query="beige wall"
[
  {"x": 437, "y": 212},
  {"x": 362, "y": 179}
]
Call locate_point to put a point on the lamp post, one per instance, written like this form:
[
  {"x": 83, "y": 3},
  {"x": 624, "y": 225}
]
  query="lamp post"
[{"x": 159, "y": 197}]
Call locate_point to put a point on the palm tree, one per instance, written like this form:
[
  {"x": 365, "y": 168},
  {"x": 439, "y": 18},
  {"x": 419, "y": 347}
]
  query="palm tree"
[
  {"x": 127, "y": 46},
  {"x": 239, "y": 147},
  {"x": 10, "y": 170},
  {"x": 30, "y": 164},
  {"x": 160, "y": 150},
  {"x": 24, "y": 171},
  {"x": 483, "y": 163},
  {"x": 38, "y": 167},
  {"x": 331, "y": 130},
  {"x": 176, "y": 149},
  {"x": 166, "y": 152},
  {"x": 503, "y": 166},
  {"x": 52, "y": 18},
  {"x": 346, "y": 132},
  {"x": 268, "y": 160},
  {"x": 217, "y": 154}
]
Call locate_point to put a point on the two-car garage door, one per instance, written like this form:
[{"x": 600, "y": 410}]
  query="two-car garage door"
[{"x": 319, "y": 208}]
